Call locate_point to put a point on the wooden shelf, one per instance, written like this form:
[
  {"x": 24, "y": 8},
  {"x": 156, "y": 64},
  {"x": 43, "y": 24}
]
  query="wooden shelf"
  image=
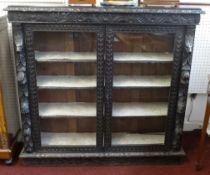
[
  {"x": 66, "y": 82},
  {"x": 141, "y": 57},
  {"x": 121, "y": 57},
  {"x": 154, "y": 109},
  {"x": 137, "y": 139},
  {"x": 88, "y": 82},
  {"x": 65, "y": 56},
  {"x": 81, "y": 109},
  {"x": 67, "y": 139},
  {"x": 141, "y": 81},
  {"x": 75, "y": 109},
  {"x": 76, "y": 139}
]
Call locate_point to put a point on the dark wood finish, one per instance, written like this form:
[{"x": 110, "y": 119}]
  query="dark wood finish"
[
  {"x": 142, "y": 69},
  {"x": 66, "y": 68},
  {"x": 71, "y": 25},
  {"x": 142, "y": 95},
  {"x": 149, "y": 124},
  {"x": 139, "y": 125},
  {"x": 179, "y": 39},
  {"x": 67, "y": 95},
  {"x": 68, "y": 125},
  {"x": 64, "y": 41},
  {"x": 143, "y": 42}
]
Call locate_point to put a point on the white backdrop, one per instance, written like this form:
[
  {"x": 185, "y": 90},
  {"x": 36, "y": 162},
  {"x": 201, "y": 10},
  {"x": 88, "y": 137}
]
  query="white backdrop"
[{"x": 201, "y": 55}]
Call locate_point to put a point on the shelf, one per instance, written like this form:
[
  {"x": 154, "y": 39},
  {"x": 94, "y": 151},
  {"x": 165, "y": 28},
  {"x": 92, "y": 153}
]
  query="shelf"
[
  {"x": 76, "y": 139},
  {"x": 155, "y": 109},
  {"x": 137, "y": 139},
  {"x": 141, "y": 57},
  {"x": 65, "y": 56},
  {"x": 67, "y": 139},
  {"x": 141, "y": 81},
  {"x": 75, "y": 109},
  {"x": 122, "y": 57},
  {"x": 66, "y": 82},
  {"x": 87, "y": 82},
  {"x": 81, "y": 109}
]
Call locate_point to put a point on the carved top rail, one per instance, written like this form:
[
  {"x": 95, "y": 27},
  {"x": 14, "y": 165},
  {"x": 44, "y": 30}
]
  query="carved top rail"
[{"x": 105, "y": 15}]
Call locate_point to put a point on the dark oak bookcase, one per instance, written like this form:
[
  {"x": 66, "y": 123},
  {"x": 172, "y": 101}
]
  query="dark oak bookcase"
[{"x": 102, "y": 82}]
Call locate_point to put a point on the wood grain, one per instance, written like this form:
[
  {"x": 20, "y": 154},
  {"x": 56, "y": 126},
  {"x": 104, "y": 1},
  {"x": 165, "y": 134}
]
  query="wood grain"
[
  {"x": 3, "y": 129},
  {"x": 160, "y": 2},
  {"x": 82, "y": 1},
  {"x": 136, "y": 125},
  {"x": 124, "y": 43}
]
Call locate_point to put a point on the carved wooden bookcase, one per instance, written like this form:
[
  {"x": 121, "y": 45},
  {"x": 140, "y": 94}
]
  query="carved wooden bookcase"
[{"x": 102, "y": 82}]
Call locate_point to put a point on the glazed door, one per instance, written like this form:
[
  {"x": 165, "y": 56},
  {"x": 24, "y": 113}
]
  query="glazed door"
[
  {"x": 142, "y": 77},
  {"x": 65, "y": 69}
]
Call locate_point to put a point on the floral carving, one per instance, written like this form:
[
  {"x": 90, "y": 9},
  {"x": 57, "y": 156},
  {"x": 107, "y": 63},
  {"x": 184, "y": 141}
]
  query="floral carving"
[{"x": 183, "y": 87}]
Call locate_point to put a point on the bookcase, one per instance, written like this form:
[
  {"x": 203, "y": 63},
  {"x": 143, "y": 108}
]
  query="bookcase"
[{"x": 102, "y": 82}]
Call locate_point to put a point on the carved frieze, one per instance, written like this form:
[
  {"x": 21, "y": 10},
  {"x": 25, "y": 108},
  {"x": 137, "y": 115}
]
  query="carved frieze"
[{"x": 108, "y": 18}]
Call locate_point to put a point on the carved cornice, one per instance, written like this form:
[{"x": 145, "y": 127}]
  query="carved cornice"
[
  {"x": 103, "y": 15},
  {"x": 105, "y": 9}
]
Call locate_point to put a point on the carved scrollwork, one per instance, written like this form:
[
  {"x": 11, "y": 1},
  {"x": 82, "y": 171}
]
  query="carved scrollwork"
[{"x": 23, "y": 87}]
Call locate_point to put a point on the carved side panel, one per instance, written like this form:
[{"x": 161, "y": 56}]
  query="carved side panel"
[
  {"x": 23, "y": 87},
  {"x": 183, "y": 87},
  {"x": 173, "y": 97}
]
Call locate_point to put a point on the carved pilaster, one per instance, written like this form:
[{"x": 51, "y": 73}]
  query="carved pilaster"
[
  {"x": 23, "y": 87},
  {"x": 108, "y": 86},
  {"x": 183, "y": 87},
  {"x": 100, "y": 87}
]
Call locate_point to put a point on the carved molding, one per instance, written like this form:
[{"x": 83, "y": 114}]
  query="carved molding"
[
  {"x": 108, "y": 87},
  {"x": 100, "y": 88},
  {"x": 105, "y": 9},
  {"x": 102, "y": 18},
  {"x": 23, "y": 87}
]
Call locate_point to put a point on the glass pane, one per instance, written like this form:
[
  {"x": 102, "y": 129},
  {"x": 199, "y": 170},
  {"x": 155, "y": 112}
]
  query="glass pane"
[
  {"x": 141, "y": 84},
  {"x": 66, "y": 81}
]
